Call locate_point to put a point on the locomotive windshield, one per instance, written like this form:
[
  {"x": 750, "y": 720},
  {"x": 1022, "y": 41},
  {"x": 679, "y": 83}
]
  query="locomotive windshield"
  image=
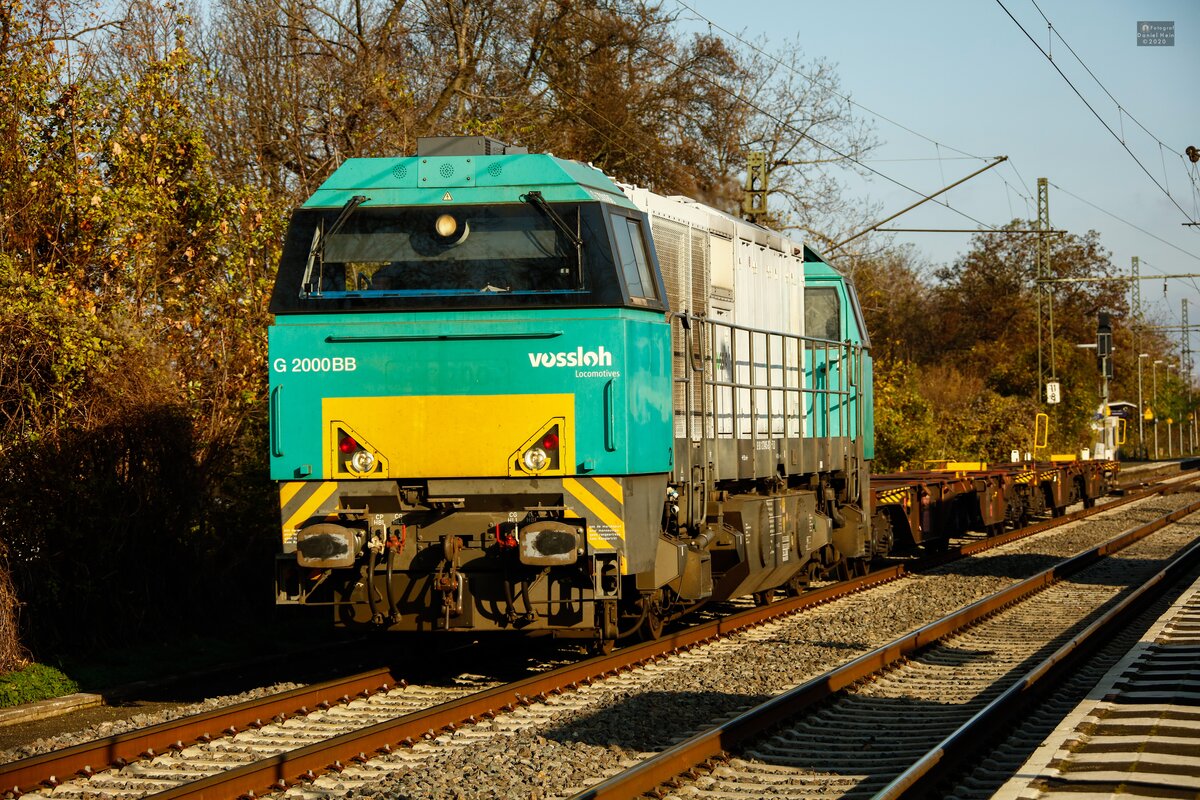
[
  {"x": 439, "y": 250},
  {"x": 526, "y": 254}
]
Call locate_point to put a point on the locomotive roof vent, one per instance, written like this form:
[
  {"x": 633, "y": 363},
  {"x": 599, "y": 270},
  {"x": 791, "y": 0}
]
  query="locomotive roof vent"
[{"x": 465, "y": 146}]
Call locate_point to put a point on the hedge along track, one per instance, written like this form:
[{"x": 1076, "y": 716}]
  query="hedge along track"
[
  {"x": 890, "y": 721},
  {"x": 291, "y": 759}
]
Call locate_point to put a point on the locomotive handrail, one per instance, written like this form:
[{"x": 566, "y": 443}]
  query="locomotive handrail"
[
  {"x": 418, "y": 337},
  {"x": 745, "y": 383},
  {"x": 706, "y": 320},
  {"x": 276, "y": 408}
]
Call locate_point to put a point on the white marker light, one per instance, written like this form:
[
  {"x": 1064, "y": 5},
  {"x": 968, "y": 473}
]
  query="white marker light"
[
  {"x": 535, "y": 459},
  {"x": 362, "y": 461}
]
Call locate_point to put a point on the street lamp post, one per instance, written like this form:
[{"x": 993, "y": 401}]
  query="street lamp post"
[
  {"x": 1170, "y": 442},
  {"x": 1154, "y": 377},
  {"x": 1141, "y": 408}
]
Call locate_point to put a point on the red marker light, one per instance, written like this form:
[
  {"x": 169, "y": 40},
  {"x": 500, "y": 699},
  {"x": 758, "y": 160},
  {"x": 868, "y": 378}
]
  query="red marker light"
[
  {"x": 347, "y": 445},
  {"x": 550, "y": 442}
]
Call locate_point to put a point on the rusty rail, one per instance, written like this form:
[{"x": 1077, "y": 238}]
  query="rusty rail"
[
  {"x": 300, "y": 765},
  {"x": 26, "y": 774},
  {"x": 717, "y": 741},
  {"x": 959, "y": 746}
]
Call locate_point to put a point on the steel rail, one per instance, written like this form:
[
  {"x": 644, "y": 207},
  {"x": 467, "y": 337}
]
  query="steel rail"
[
  {"x": 716, "y": 742},
  {"x": 959, "y": 746},
  {"x": 25, "y": 775},
  {"x": 303, "y": 764},
  {"x": 115, "y": 751}
]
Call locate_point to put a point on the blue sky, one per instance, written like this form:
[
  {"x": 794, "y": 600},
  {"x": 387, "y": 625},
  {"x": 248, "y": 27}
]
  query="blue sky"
[{"x": 964, "y": 74}]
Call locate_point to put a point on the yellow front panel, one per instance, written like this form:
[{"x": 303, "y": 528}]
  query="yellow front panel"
[{"x": 451, "y": 436}]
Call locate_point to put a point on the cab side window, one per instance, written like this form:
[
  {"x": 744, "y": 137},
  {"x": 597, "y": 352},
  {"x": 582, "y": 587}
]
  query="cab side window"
[
  {"x": 635, "y": 264},
  {"x": 822, "y": 313}
]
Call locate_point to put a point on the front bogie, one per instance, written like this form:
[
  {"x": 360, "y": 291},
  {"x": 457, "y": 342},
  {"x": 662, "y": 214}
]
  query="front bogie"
[{"x": 543, "y": 554}]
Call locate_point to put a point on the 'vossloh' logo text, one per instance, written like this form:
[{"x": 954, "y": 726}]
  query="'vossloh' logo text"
[{"x": 573, "y": 358}]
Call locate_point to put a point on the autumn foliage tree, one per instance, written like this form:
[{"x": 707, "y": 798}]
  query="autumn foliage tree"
[
  {"x": 134, "y": 286},
  {"x": 963, "y": 339}
]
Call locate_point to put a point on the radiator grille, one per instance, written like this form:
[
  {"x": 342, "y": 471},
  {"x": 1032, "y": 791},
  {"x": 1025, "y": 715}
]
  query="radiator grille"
[{"x": 684, "y": 259}]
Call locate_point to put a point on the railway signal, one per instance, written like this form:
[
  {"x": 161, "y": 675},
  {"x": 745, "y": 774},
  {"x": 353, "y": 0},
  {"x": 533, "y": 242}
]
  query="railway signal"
[{"x": 1104, "y": 344}]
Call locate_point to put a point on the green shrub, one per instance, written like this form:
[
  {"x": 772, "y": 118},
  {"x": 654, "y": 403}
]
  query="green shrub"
[{"x": 35, "y": 682}]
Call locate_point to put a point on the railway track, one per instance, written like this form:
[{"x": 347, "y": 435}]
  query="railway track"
[
  {"x": 255, "y": 749},
  {"x": 887, "y": 724},
  {"x": 1133, "y": 733}
]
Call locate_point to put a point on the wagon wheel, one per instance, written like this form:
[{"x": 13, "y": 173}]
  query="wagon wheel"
[{"x": 799, "y": 583}]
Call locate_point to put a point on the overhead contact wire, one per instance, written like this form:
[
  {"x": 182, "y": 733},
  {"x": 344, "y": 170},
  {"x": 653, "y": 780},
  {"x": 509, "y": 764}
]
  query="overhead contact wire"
[
  {"x": 810, "y": 137},
  {"x": 1127, "y": 222},
  {"x": 1121, "y": 110},
  {"x": 813, "y": 81},
  {"x": 1096, "y": 114}
]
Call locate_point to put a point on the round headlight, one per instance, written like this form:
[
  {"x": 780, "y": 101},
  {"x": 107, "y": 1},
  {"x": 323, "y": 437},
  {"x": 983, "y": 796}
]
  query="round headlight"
[
  {"x": 362, "y": 461},
  {"x": 535, "y": 459},
  {"x": 446, "y": 226}
]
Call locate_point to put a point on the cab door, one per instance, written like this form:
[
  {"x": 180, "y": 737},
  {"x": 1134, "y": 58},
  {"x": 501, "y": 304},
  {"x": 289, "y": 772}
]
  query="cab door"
[{"x": 838, "y": 368}]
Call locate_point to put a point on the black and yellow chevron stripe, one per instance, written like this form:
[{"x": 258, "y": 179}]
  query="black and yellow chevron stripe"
[{"x": 299, "y": 500}]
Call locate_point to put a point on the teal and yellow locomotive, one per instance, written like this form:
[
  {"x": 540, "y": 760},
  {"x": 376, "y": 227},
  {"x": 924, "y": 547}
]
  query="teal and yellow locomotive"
[{"x": 508, "y": 393}]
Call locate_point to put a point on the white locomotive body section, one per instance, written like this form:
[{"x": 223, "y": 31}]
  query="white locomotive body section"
[{"x": 749, "y": 281}]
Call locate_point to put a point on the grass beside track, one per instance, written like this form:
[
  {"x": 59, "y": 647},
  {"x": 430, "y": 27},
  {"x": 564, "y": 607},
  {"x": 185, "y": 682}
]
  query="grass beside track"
[{"x": 34, "y": 682}]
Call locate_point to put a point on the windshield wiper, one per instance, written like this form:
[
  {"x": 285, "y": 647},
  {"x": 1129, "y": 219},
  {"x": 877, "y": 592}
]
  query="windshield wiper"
[
  {"x": 536, "y": 200},
  {"x": 316, "y": 253}
]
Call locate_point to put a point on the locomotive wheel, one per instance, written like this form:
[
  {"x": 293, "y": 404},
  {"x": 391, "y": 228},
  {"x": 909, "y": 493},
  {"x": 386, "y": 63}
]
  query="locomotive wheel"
[
  {"x": 601, "y": 647},
  {"x": 655, "y": 618},
  {"x": 799, "y": 583},
  {"x": 764, "y": 597},
  {"x": 652, "y": 627}
]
